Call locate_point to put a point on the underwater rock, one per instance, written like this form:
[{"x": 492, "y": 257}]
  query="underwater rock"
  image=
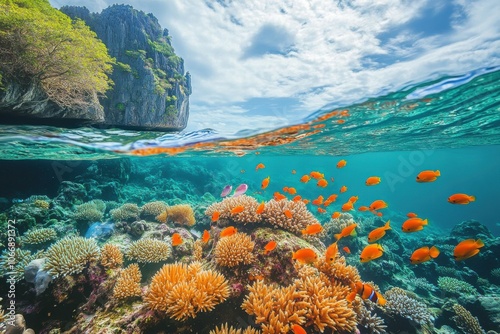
[
  {"x": 32, "y": 269},
  {"x": 471, "y": 229},
  {"x": 70, "y": 193},
  {"x": 491, "y": 309},
  {"x": 100, "y": 230},
  {"x": 42, "y": 281}
]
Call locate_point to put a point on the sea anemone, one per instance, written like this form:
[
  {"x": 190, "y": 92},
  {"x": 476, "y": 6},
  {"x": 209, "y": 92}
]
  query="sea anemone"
[
  {"x": 182, "y": 214},
  {"x": 234, "y": 250}
]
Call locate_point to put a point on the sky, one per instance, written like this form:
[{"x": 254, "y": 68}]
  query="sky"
[{"x": 262, "y": 64}]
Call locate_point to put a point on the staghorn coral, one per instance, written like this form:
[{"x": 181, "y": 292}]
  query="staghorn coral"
[
  {"x": 465, "y": 321},
  {"x": 338, "y": 270},
  {"x": 226, "y": 329},
  {"x": 455, "y": 286},
  {"x": 153, "y": 209},
  {"x": 400, "y": 303},
  {"x": 182, "y": 214},
  {"x": 366, "y": 319},
  {"x": 90, "y": 211},
  {"x": 111, "y": 256},
  {"x": 128, "y": 283},
  {"x": 233, "y": 250},
  {"x": 181, "y": 291},
  {"x": 70, "y": 255},
  {"x": 248, "y": 215},
  {"x": 126, "y": 212},
  {"x": 149, "y": 250},
  {"x": 38, "y": 236},
  {"x": 301, "y": 217}
]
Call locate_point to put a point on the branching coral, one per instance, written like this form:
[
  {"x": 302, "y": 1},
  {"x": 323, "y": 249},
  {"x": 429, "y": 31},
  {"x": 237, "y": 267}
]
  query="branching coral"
[
  {"x": 149, "y": 250},
  {"x": 455, "y": 286},
  {"x": 226, "y": 329},
  {"x": 366, "y": 319},
  {"x": 339, "y": 271},
  {"x": 40, "y": 235},
  {"x": 92, "y": 211},
  {"x": 465, "y": 321},
  {"x": 181, "y": 291},
  {"x": 128, "y": 284},
  {"x": 274, "y": 214},
  {"x": 248, "y": 215},
  {"x": 233, "y": 250},
  {"x": 153, "y": 209},
  {"x": 70, "y": 255},
  {"x": 182, "y": 214},
  {"x": 400, "y": 303},
  {"x": 126, "y": 212},
  {"x": 111, "y": 256}
]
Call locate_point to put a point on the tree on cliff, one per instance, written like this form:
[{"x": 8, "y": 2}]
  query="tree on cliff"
[{"x": 41, "y": 45}]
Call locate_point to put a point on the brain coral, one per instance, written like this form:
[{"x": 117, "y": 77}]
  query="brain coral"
[
  {"x": 181, "y": 291},
  {"x": 111, "y": 256},
  {"x": 233, "y": 250},
  {"x": 40, "y": 235},
  {"x": 182, "y": 214},
  {"x": 128, "y": 284},
  {"x": 301, "y": 217},
  {"x": 70, "y": 255},
  {"x": 149, "y": 250},
  {"x": 248, "y": 215}
]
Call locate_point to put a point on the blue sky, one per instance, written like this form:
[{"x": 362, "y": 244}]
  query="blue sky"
[{"x": 265, "y": 64}]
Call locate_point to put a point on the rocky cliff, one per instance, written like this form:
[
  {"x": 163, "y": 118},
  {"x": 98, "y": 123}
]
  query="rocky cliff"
[{"x": 151, "y": 90}]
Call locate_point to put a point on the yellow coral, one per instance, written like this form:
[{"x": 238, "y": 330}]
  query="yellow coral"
[
  {"x": 111, "y": 256},
  {"x": 40, "y": 235},
  {"x": 181, "y": 291},
  {"x": 182, "y": 214},
  {"x": 128, "y": 284},
  {"x": 149, "y": 250},
  {"x": 338, "y": 270},
  {"x": 233, "y": 250},
  {"x": 162, "y": 217},
  {"x": 226, "y": 329},
  {"x": 42, "y": 204},
  {"x": 301, "y": 217},
  {"x": 248, "y": 215},
  {"x": 70, "y": 255}
]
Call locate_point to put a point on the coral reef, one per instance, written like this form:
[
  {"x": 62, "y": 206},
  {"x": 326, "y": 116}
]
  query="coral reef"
[
  {"x": 456, "y": 287},
  {"x": 126, "y": 212},
  {"x": 90, "y": 211},
  {"x": 128, "y": 283},
  {"x": 153, "y": 209},
  {"x": 70, "y": 255},
  {"x": 400, "y": 303},
  {"x": 181, "y": 291},
  {"x": 233, "y": 250},
  {"x": 181, "y": 214},
  {"x": 226, "y": 329},
  {"x": 39, "y": 236},
  {"x": 111, "y": 256},
  {"x": 149, "y": 250},
  {"x": 465, "y": 321},
  {"x": 366, "y": 319},
  {"x": 248, "y": 215},
  {"x": 274, "y": 214},
  {"x": 19, "y": 261}
]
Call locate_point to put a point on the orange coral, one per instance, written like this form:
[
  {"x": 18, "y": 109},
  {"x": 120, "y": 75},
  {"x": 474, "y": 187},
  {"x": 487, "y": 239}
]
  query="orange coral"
[
  {"x": 248, "y": 215},
  {"x": 233, "y": 250},
  {"x": 181, "y": 214},
  {"x": 111, "y": 256},
  {"x": 339, "y": 271},
  {"x": 274, "y": 214},
  {"x": 162, "y": 217},
  {"x": 128, "y": 284}
]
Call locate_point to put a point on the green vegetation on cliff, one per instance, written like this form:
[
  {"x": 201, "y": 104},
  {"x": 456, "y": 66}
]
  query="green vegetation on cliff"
[{"x": 39, "y": 44}]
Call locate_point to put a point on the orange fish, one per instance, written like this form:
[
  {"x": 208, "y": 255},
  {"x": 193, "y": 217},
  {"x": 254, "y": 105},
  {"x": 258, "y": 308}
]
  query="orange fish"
[
  {"x": 322, "y": 183},
  {"x": 466, "y": 249},
  {"x": 312, "y": 229},
  {"x": 341, "y": 164},
  {"x": 318, "y": 200},
  {"x": 294, "y": 171},
  {"x": 343, "y": 189},
  {"x": 347, "y": 250},
  {"x": 260, "y": 208},
  {"x": 428, "y": 176},
  {"x": 288, "y": 214},
  {"x": 414, "y": 225},
  {"x": 305, "y": 178},
  {"x": 332, "y": 198},
  {"x": 372, "y": 180},
  {"x": 347, "y": 206},
  {"x": 278, "y": 196},
  {"x": 305, "y": 255},
  {"x": 378, "y": 214},
  {"x": 353, "y": 199},
  {"x": 285, "y": 189},
  {"x": 306, "y": 201},
  {"x": 297, "y": 329},
  {"x": 363, "y": 208},
  {"x": 206, "y": 236},
  {"x": 271, "y": 245},
  {"x": 265, "y": 182},
  {"x": 371, "y": 252},
  {"x": 327, "y": 203},
  {"x": 461, "y": 199},
  {"x": 379, "y": 232},
  {"x": 340, "y": 121},
  {"x": 335, "y": 215},
  {"x": 260, "y": 166},
  {"x": 297, "y": 198},
  {"x": 228, "y": 231},
  {"x": 331, "y": 253},
  {"x": 424, "y": 254},
  {"x": 215, "y": 216},
  {"x": 237, "y": 209},
  {"x": 378, "y": 205},
  {"x": 411, "y": 215},
  {"x": 347, "y": 231},
  {"x": 366, "y": 291},
  {"x": 292, "y": 191},
  {"x": 176, "y": 239},
  {"x": 321, "y": 210},
  {"x": 317, "y": 175}
]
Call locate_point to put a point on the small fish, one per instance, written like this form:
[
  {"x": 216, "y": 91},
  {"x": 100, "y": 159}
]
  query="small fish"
[
  {"x": 215, "y": 216},
  {"x": 414, "y": 225},
  {"x": 467, "y": 248},
  {"x": 240, "y": 190},
  {"x": 237, "y": 209},
  {"x": 305, "y": 255},
  {"x": 332, "y": 197},
  {"x": 341, "y": 164},
  {"x": 347, "y": 250},
  {"x": 271, "y": 245},
  {"x": 317, "y": 175},
  {"x": 379, "y": 232},
  {"x": 206, "y": 236},
  {"x": 372, "y": 181},
  {"x": 265, "y": 182},
  {"x": 318, "y": 200},
  {"x": 366, "y": 291},
  {"x": 292, "y": 190},
  {"x": 278, "y": 196},
  {"x": 378, "y": 214},
  {"x": 327, "y": 203},
  {"x": 411, "y": 215},
  {"x": 341, "y": 121},
  {"x": 242, "y": 171},
  {"x": 461, "y": 199},
  {"x": 363, "y": 208},
  {"x": 227, "y": 189},
  {"x": 305, "y": 178},
  {"x": 347, "y": 206},
  {"x": 312, "y": 229},
  {"x": 331, "y": 253},
  {"x": 321, "y": 210},
  {"x": 322, "y": 183},
  {"x": 288, "y": 214},
  {"x": 335, "y": 215},
  {"x": 176, "y": 239},
  {"x": 378, "y": 205},
  {"x": 347, "y": 231},
  {"x": 297, "y": 198},
  {"x": 260, "y": 208},
  {"x": 424, "y": 254},
  {"x": 228, "y": 231},
  {"x": 294, "y": 171},
  {"x": 305, "y": 201},
  {"x": 371, "y": 252},
  {"x": 343, "y": 189},
  {"x": 259, "y": 166},
  {"x": 428, "y": 176},
  {"x": 298, "y": 329},
  {"x": 353, "y": 199}
]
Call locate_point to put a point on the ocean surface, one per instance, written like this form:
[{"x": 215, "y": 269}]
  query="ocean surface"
[{"x": 451, "y": 125}]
